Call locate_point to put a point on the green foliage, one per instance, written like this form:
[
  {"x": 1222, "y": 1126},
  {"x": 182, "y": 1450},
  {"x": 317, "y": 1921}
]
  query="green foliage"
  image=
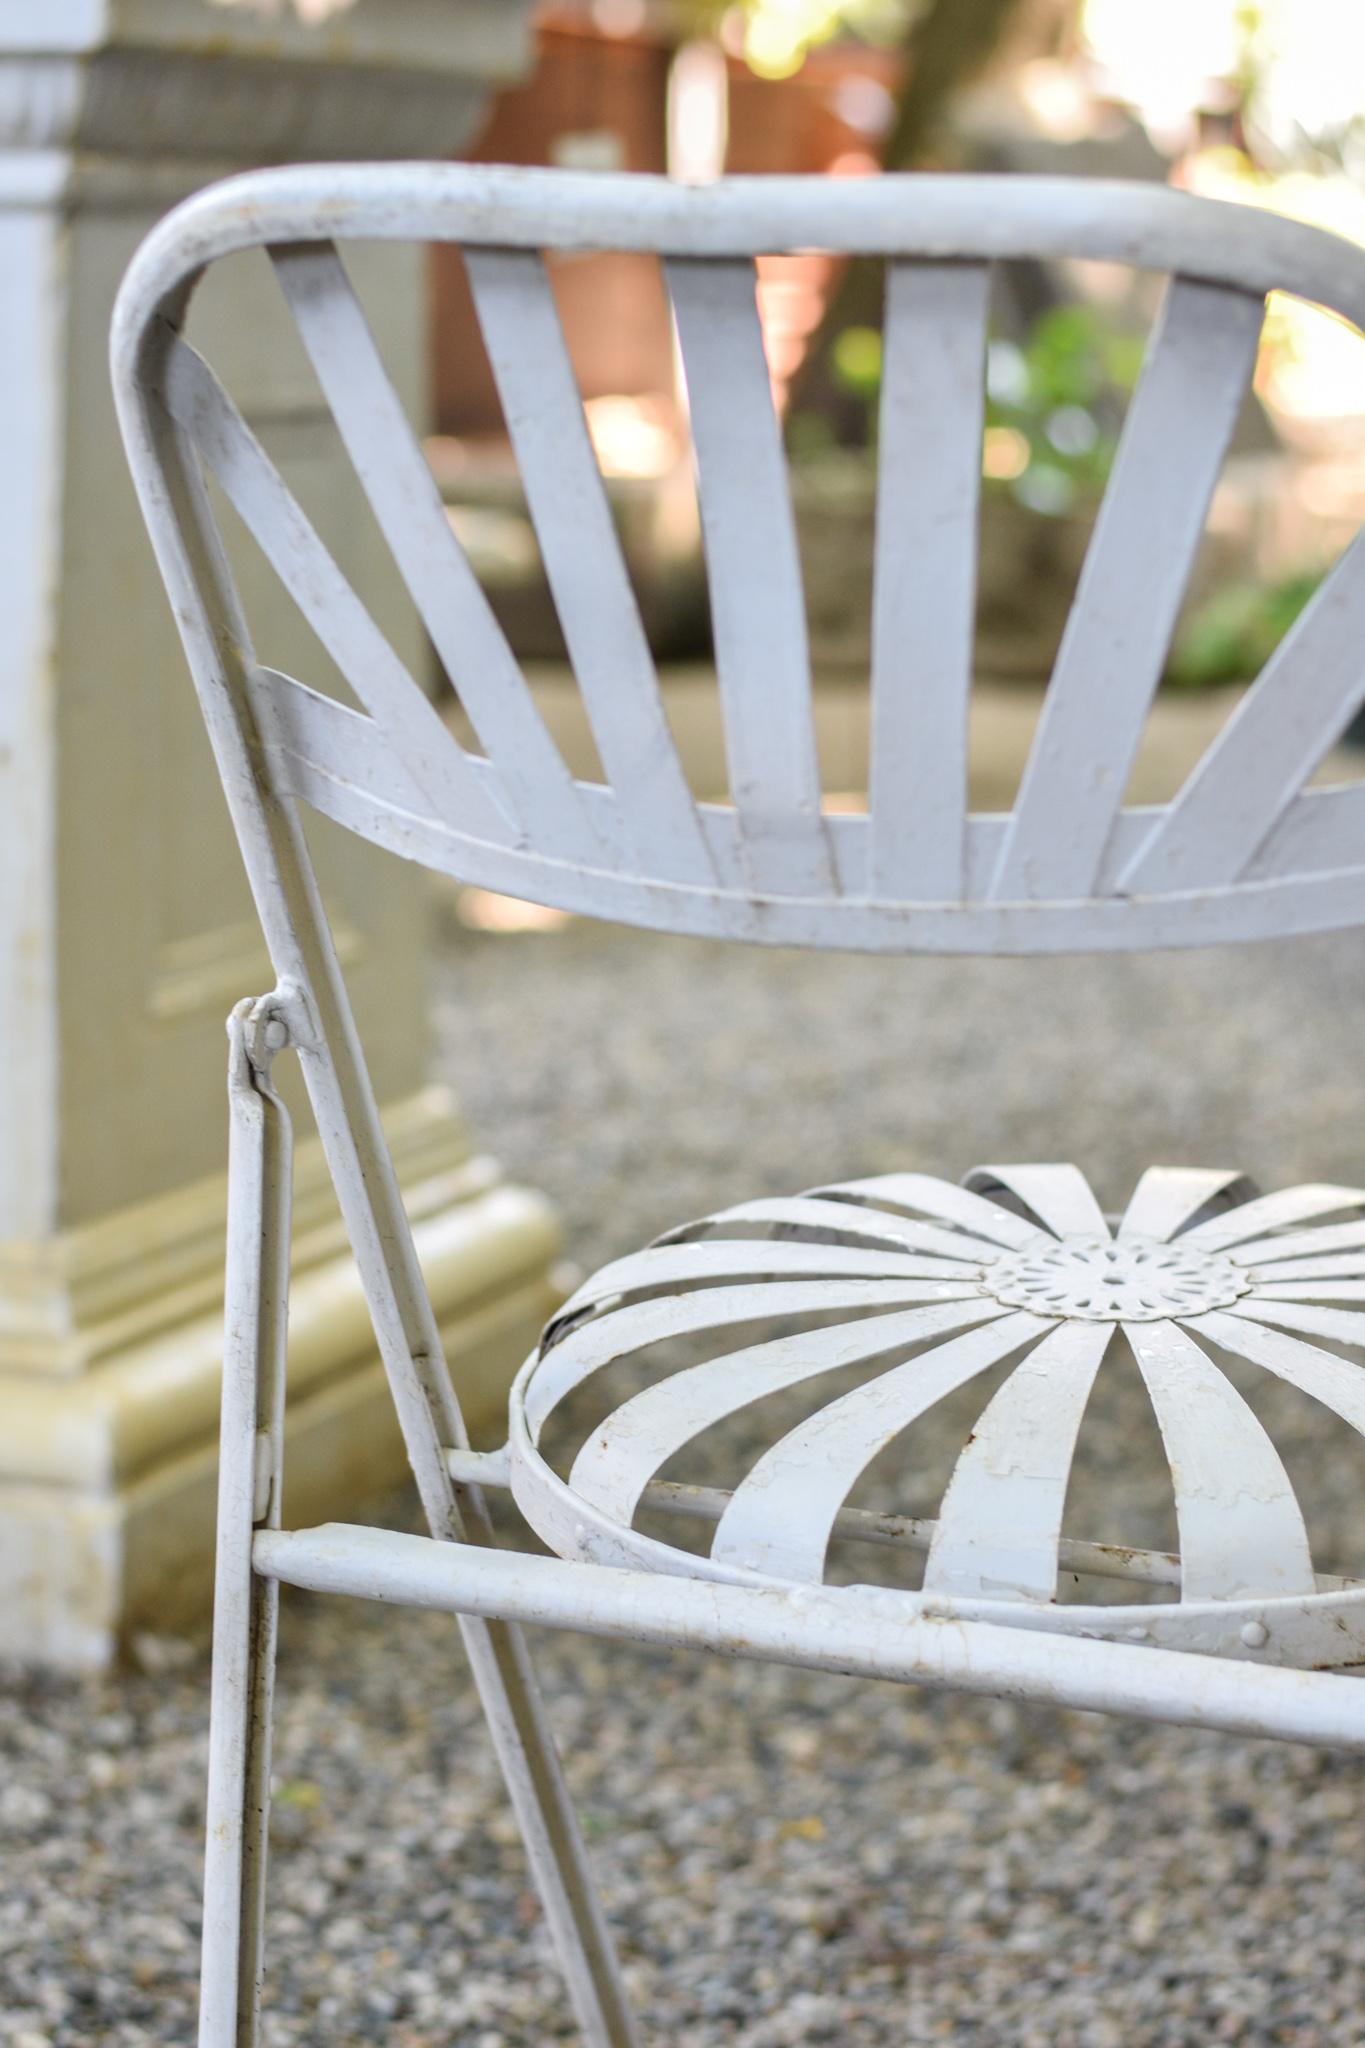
[
  {"x": 1229, "y": 637},
  {"x": 809, "y": 436},
  {"x": 1052, "y": 401},
  {"x": 1053, "y": 406},
  {"x": 1075, "y": 355},
  {"x": 857, "y": 362},
  {"x": 777, "y": 34}
]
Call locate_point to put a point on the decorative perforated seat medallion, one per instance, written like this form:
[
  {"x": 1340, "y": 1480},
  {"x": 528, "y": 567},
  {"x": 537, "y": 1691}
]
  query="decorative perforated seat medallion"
[
  {"x": 882, "y": 1298},
  {"x": 1094, "y": 1280}
]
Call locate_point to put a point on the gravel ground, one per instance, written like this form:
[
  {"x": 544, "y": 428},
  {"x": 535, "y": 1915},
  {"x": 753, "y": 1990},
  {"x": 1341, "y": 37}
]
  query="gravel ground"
[{"x": 790, "y": 1859}]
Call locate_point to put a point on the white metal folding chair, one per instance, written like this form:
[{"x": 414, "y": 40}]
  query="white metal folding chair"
[{"x": 913, "y": 1285}]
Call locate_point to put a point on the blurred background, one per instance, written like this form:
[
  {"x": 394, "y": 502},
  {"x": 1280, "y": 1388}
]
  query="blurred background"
[{"x": 1260, "y": 103}]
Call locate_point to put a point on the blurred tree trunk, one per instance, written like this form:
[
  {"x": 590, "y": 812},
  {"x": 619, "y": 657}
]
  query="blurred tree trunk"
[{"x": 951, "y": 43}]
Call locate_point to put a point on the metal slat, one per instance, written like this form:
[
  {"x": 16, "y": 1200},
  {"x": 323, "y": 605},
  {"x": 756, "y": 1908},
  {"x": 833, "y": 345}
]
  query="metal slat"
[
  {"x": 590, "y": 1346},
  {"x": 1174, "y": 440},
  {"x": 1334, "y": 1381},
  {"x": 1342, "y": 1325},
  {"x": 782, "y": 1515},
  {"x": 742, "y": 1258},
  {"x": 1059, "y": 1196},
  {"x": 1241, "y": 1530},
  {"x": 1247, "y": 781},
  {"x": 924, "y": 587},
  {"x": 1311, "y": 1290},
  {"x": 1344, "y": 1266},
  {"x": 607, "y": 647},
  {"x": 1269, "y": 1212},
  {"x": 469, "y": 642},
  {"x": 273, "y": 517},
  {"x": 1301, "y": 1244},
  {"x": 1168, "y": 1196},
  {"x": 754, "y": 576},
  {"x": 637, "y": 1440},
  {"x": 942, "y": 1199},
  {"x": 851, "y": 1222},
  {"x": 1000, "y": 1522}
]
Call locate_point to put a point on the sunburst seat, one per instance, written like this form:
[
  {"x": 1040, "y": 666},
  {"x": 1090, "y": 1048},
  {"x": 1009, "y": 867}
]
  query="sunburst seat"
[{"x": 918, "y": 1287}]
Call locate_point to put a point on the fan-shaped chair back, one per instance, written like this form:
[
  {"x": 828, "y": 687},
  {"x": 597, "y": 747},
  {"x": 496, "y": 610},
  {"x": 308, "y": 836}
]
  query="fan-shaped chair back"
[{"x": 1243, "y": 850}]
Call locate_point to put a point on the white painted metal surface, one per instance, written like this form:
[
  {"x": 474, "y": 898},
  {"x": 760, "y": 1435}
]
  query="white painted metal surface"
[
  {"x": 245, "y": 1606},
  {"x": 1177, "y": 432},
  {"x": 1245, "y": 850},
  {"x": 861, "y": 1631},
  {"x": 787, "y": 1292},
  {"x": 924, "y": 604},
  {"x": 909, "y": 1287}
]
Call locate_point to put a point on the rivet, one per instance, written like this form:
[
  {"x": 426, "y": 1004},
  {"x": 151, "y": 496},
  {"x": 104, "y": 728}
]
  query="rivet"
[
  {"x": 1255, "y": 1634},
  {"x": 277, "y": 1034}
]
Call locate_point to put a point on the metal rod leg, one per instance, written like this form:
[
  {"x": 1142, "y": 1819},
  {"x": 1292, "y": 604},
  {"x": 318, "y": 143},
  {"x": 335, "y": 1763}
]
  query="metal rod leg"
[
  {"x": 312, "y": 1004},
  {"x": 549, "y": 1827},
  {"x": 428, "y": 1413},
  {"x": 245, "y": 1607}
]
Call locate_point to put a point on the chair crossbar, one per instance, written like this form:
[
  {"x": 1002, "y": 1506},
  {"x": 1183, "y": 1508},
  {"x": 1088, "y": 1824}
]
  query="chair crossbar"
[
  {"x": 863, "y": 1525},
  {"x": 861, "y": 1632}
]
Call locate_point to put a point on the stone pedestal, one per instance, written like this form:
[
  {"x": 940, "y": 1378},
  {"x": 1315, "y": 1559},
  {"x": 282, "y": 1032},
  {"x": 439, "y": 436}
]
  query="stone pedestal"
[{"x": 125, "y": 925}]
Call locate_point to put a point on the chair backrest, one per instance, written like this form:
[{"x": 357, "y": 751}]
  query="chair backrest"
[{"x": 1244, "y": 850}]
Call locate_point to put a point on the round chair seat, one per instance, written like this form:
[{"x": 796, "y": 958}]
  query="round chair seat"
[{"x": 870, "y": 1302}]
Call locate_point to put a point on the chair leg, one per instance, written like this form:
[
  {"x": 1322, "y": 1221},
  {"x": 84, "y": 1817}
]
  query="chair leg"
[
  {"x": 245, "y": 1607},
  {"x": 532, "y": 1772},
  {"x": 309, "y": 978}
]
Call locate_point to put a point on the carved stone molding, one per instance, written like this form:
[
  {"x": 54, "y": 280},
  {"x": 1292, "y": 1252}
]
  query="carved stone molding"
[
  {"x": 126, "y": 932},
  {"x": 94, "y": 92}
]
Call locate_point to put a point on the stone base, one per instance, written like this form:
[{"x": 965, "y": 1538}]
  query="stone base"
[{"x": 108, "y": 1438}]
